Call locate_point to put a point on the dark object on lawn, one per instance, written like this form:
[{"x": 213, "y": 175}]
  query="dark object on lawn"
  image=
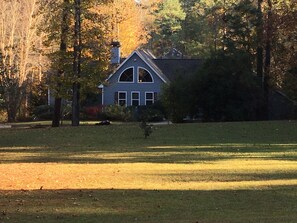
[
  {"x": 37, "y": 126},
  {"x": 147, "y": 129},
  {"x": 104, "y": 122}
]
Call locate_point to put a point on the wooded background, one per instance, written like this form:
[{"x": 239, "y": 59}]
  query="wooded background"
[{"x": 64, "y": 45}]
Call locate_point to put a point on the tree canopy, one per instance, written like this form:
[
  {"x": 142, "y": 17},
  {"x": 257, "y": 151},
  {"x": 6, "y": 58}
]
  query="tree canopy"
[{"x": 34, "y": 34}]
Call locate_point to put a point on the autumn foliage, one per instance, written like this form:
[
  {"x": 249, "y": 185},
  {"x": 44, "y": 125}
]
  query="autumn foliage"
[{"x": 128, "y": 22}]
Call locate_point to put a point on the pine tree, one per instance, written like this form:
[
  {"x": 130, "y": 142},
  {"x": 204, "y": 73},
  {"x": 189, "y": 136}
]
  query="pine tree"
[
  {"x": 60, "y": 72},
  {"x": 168, "y": 23}
]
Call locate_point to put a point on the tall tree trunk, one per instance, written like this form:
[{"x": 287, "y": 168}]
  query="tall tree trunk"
[
  {"x": 76, "y": 64},
  {"x": 57, "y": 110},
  {"x": 260, "y": 57},
  {"x": 63, "y": 50},
  {"x": 260, "y": 41},
  {"x": 267, "y": 64}
]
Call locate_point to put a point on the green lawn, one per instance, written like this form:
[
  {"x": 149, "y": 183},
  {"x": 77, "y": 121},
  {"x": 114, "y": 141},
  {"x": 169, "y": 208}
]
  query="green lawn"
[{"x": 205, "y": 172}]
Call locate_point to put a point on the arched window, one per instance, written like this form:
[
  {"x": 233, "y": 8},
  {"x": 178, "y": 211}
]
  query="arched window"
[
  {"x": 144, "y": 76},
  {"x": 127, "y": 75}
]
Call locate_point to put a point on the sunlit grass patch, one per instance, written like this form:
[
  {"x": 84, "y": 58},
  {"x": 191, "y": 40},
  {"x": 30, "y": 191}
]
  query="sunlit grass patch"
[
  {"x": 20, "y": 148},
  {"x": 219, "y": 175},
  {"x": 226, "y": 145}
]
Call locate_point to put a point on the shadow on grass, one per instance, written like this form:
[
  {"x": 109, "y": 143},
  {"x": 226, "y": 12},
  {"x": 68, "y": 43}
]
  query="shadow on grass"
[
  {"x": 269, "y": 205},
  {"x": 239, "y": 176},
  {"x": 148, "y": 154}
]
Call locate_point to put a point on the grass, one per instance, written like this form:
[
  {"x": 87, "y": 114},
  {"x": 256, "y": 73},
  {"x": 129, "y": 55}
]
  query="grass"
[{"x": 206, "y": 172}]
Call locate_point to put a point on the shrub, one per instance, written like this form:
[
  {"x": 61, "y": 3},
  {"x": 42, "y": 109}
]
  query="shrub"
[
  {"x": 42, "y": 112},
  {"x": 117, "y": 113},
  {"x": 91, "y": 112},
  {"x": 147, "y": 113},
  {"x": 175, "y": 98}
]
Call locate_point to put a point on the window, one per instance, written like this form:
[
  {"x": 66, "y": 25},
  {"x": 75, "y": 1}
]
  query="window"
[
  {"x": 122, "y": 98},
  {"x": 135, "y": 98},
  {"x": 144, "y": 76},
  {"x": 149, "y": 98},
  {"x": 127, "y": 75}
]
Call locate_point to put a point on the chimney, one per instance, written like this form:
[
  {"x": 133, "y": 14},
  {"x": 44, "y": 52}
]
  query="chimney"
[{"x": 115, "y": 52}]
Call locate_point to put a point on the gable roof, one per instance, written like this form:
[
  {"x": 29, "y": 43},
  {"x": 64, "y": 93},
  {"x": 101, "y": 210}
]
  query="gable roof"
[
  {"x": 174, "y": 68},
  {"x": 170, "y": 69},
  {"x": 149, "y": 59},
  {"x": 167, "y": 69}
]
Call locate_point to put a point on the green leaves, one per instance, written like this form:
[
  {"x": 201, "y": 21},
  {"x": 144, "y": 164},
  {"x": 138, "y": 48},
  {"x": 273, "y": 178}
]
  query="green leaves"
[
  {"x": 225, "y": 89},
  {"x": 169, "y": 18}
]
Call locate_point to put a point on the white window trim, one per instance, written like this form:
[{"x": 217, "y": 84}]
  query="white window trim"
[
  {"x": 141, "y": 58},
  {"x": 126, "y": 82},
  {"x": 153, "y": 99},
  {"x": 126, "y": 100},
  {"x": 153, "y": 81},
  {"x": 138, "y": 92}
]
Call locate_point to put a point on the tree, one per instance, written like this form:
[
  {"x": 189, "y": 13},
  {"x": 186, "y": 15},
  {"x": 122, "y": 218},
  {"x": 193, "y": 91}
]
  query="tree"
[
  {"x": 259, "y": 33},
  {"x": 60, "y": 72},
  {"x": 19, "y": 45},
  {"x": 240, "y": 24},
  {"x": 176, "y": 98},
  {"x": 263, "y": 29},
  {"x": 81, "y": 61},
  {"x": 267, "y": 63},
  {"x": 225, "y": 89},
  {"x": 283, "y": 72},
  {"x": 204, "y": 28},
  {"x": 76, "y": 63},
  {"x": 199, "y": 29},
  {"x": 129, "y": 22},
  {"x": 168, "y": 22}
]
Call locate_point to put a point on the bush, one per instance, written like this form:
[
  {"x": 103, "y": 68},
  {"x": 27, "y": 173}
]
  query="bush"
[
  {"x": 117, "y": 113},
  {"x": 42, "y": 112},
  {"x": 147, "y": 113},
  {"x": 175, "y": 98}
]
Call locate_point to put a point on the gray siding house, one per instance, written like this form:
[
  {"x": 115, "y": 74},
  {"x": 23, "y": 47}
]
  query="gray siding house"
[{"x": 138, "y": 80}]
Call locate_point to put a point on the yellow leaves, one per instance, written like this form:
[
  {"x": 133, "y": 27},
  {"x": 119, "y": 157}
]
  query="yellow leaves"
[{"x": 127, "y": 22}]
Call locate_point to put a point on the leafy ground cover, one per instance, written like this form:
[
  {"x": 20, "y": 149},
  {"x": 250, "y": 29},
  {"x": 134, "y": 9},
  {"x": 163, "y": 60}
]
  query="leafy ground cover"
[{"x": 205, "y": 172}]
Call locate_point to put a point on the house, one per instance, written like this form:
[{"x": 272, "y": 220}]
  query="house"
[{"x": 138, "y": 80}]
